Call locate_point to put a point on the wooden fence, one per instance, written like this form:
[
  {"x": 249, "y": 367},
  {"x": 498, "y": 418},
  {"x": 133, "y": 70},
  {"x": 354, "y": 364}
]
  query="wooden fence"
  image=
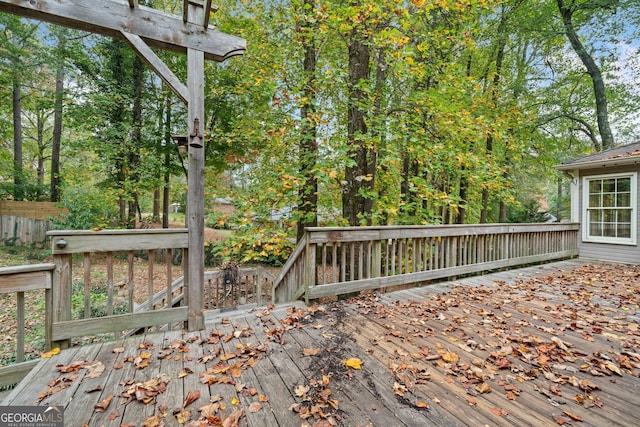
[
  {"x": 336, "y": 261},
  {"x": 26, "y": 223}
]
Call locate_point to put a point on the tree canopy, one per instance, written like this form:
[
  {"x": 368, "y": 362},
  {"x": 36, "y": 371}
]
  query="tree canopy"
[{"x": 342, "y": 112}]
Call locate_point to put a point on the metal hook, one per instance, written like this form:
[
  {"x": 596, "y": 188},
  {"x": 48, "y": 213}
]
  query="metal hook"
[{"x": 196, "y": 136}]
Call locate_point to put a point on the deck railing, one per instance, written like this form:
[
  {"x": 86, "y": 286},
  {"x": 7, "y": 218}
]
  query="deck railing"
[
  {"x": 335, "y": 261},
  {"x": 149, "y": 267},
  {"x": 20, "y": 280}
]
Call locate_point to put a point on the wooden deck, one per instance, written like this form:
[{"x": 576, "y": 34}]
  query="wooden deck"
[{"x": 530, "y": 347}]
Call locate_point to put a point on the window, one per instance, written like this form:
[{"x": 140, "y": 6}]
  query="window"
[{"x": 609, "y": 213}]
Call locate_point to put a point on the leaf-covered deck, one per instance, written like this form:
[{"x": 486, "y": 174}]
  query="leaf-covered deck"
[{"x": 547, "y": 345}]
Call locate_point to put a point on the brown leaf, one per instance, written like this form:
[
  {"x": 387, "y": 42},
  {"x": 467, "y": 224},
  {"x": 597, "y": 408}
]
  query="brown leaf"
[
  {"x": 95, "y": 368},
  {"x": 313, "y": 351},
  {"x": 483, "y": 388},
  {"x": 572, "y": 416},
  {"x": 102, "y": 406},
  {"x": 560, "y": 420},
  {"x": 255, "y": 407},
  {"x": 192, "y": 396},
  {"x": 499, "y": 411},
  {"x": 233, "y": 419},
  {"x": 113, "y": 415}
]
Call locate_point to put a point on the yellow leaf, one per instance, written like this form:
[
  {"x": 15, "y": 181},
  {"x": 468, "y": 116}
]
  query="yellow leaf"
[
  {"x": 354, "y": 363},
  {"x": 50, "y": 353},
  {"x": 235, "y": 401}
]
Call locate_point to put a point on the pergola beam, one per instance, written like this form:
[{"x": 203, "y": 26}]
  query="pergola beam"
[
  {"x": 156, "y": 64},
  {"x": 113, "y": 17}
]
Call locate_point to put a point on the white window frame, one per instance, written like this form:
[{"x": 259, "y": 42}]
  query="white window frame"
[{"x": 585, "y": 210}]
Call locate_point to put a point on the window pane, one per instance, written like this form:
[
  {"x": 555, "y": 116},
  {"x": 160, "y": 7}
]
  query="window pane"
[
  {"x": 594, "y": 215},
  {"x": 624, "y": 230},
  {"x": 594, "y": 201},
  {"x": 624, "y": 215},
  {"x": 608, "y": 185},
  {"x": 608, "y": 215},
  {"x": 624, "y": 200},
  {"x": 608, "y": 200},
  {"x": 609, "y": 230},
  {"x": 594, "y": 229},
  {"x": 624, "y": 184},
  {"x": 595, "y": 186}
]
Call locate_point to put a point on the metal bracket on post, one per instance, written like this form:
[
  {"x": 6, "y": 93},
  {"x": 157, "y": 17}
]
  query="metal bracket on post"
[{"x": 195, "y": 137}]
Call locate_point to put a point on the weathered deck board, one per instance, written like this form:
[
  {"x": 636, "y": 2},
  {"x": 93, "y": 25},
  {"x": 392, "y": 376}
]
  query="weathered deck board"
[{"x": 400, "y": 337}]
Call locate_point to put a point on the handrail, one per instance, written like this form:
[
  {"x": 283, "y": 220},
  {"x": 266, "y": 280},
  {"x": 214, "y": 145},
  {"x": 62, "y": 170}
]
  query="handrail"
[
  {"x": 111, "y": 243},
  {"x": 331, "y": 261},
  {"x": 21, "y": 279}
]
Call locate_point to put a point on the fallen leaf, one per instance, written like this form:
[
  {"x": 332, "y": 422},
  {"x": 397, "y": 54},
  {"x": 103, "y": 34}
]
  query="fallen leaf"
[
  {"x": 95, "y": 368},
  {"x": 153, "y": 421},
  {"x": 499, "y": 411},
  {"x": 183, "y": 416},
  {"x": 113, "y": 415},
  {"x": 233, "y": 419},
  {"x": 313, "y": 351},
  {"x": 50, "y": 353},
  {"x": 572, "y": 416},
  {"x": 421, "y": 404},
  {"x": 102, "y": 406},
  {"x": 255, "y": 407},
  {"x": 354, "y": 363},
  {"x": 483, "y": 388},
  {"x": 192, "y": 396}
]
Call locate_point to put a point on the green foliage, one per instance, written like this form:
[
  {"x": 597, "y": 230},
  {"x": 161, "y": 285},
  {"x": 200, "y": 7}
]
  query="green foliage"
[
  {"x": 88, "y": 208},
  {"x": 267, "y": 244}
]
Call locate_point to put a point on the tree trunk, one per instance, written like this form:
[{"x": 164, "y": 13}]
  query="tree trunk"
[
  {"x": 18, "y": 172},
  {"x": 57, "y": 123},
  {"x": 136, "y": 138},
  {"x": 353, "y": 201},
  {"x": 167, "y": 161},
  {"x": 495, "y": 86},
  {"x": 594, "y": 72},
  {"x": 308, "y": 147}
]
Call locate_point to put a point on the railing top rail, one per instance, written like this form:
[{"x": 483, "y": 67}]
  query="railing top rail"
[
  {"x": 346, "y": 234},
  {"x": 19, "y": 269},
  {"x": 569, "y": 225},
  {"x": 116, "y": 232},
  {"x": 78, "y": 241}
]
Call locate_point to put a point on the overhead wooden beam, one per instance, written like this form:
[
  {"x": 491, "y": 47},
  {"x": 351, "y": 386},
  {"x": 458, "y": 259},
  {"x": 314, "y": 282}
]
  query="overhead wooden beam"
[
  {"x": 156, "y": 64},
  {"x": 207, "y": 13},
  {"x": 185, "y": 11},
  {"x": 113, "y": 17},
  {"x": 133, "y": 4}
]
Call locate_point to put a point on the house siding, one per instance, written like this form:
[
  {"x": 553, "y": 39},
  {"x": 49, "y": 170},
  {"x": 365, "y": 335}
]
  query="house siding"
[{"x": 629, "y": 254}]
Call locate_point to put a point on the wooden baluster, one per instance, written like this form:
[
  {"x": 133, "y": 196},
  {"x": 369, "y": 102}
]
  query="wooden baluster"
[
  {"x": 20, "y": 326},
  {"x": 87, "y": 285},
  {"x": 169, "y": 261},
  {"x": 109, "y": 283},
  {"x": 150, "y": 260},
  {"x": 130, "y": 283}
]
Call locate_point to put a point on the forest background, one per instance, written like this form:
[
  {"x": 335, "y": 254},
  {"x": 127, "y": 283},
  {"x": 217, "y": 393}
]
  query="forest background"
[{"x": 359, "y": 112}]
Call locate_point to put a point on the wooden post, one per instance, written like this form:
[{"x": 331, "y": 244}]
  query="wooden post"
[
  {"x": 309, "y": 269},
  {"x": 61, "y": 293},
  {"x": 195, "y": 181}
]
